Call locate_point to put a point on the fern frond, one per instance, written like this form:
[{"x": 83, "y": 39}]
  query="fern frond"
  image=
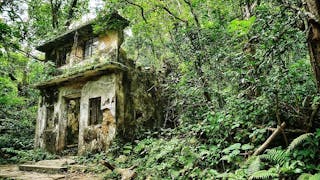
[
  {"x": 304, "y": 176},
  {"x": 298, "y": 141},
  {"x": 275, "y": 156},
  {"x": 263, "y": 174},
  {"x": 254, "y": 165},
  {"x": 315, "y": 177}
]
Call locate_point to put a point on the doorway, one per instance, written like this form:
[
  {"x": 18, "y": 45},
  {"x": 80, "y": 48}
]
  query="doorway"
[{"x": 72, "y": 131}]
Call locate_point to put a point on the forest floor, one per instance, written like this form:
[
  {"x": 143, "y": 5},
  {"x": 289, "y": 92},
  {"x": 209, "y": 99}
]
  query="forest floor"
[{"x": 12, "y": 172}]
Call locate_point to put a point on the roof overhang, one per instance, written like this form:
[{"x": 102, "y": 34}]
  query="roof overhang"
[
  {"x": 84, "y": 30},
  {"x": 68, "y": 36},
  {"x": 92, "y": 71}
]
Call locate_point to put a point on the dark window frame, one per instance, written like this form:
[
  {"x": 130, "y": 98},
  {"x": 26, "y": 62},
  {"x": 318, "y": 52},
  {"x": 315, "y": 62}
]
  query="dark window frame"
[
  {"x": 95, "y": 112},
  {"x": 61, "y": 56},
  {"x": 90, "y": 47},
  {"x": 49, "y": 116}
]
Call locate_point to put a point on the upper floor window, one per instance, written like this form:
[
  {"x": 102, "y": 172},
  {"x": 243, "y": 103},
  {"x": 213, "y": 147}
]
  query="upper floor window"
[
  {"x": 61, "y": 57},
  {"x": 90, "y": 47}
]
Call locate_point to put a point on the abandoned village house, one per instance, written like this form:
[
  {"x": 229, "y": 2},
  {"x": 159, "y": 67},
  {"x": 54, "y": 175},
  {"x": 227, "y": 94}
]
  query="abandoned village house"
[{"x": 96, "y": 93}]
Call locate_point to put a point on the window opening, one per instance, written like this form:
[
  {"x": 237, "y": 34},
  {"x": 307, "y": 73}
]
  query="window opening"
[
  {"x": 62, "y": 56},
  {"x": 90, "y": 47},
  {"x": 50, "y": 121},
  {"x": 95, "y": 112}
]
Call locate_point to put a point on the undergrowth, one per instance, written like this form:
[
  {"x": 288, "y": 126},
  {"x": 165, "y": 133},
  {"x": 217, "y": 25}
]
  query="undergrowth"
[
  {"x": 169, "y": 155},
  {"x": 11, "y": 155}
]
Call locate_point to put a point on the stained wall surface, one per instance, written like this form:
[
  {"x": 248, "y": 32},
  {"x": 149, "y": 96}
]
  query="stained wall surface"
[
  {"x": 107, "y": 45},
  {"x": 129, "y": 99},
  {"x": 97, "y": 137}
]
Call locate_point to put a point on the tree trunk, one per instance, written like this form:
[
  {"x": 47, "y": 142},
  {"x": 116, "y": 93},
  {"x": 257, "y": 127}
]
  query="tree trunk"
[
  {"x": 193, "y": 35},
  {"x": 313, "y": 6},
  {"x": 71, "y": 12},
  {"x": 55, "y": 6},
  {"x": 248, "y": 7}
]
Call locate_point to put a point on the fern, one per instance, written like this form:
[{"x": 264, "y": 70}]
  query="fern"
[
  {"x": 254, "y": 165},
  {"x": 263, "y": 174},
  {"x": 315, "y": 177},
  {"x": 298, "y": 141},
  {"x": 304, "y": 176},
  {"x": 276, "y": 156}
]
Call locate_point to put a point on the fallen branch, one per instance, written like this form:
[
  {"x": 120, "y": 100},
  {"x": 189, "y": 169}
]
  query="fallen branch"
[
  {"x": 270, "y": 139},
  {"x": 108, "y": 165},
  {"x": 289, "y": 130},
  {"x": 126, "y": 173}
]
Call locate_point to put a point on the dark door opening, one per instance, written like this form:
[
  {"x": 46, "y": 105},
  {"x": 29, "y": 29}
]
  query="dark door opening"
[{"x": 73, "y": 114}]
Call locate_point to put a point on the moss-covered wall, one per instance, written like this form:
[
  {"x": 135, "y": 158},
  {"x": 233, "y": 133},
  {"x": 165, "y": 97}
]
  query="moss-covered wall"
[
  {"x": 142, "y": 102},
  {"x": 130, "y": 102},
  {"x": 107, "y": 45}
]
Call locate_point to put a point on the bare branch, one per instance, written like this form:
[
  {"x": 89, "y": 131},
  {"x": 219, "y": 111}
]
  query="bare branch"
[
  {"x": 173, "y": 15},
  {"x": 270, "y": 139},
  {"x": 30, "y": 55},
  {"x": 195, "y": 17},
  {"x": 141, "y": 9}
]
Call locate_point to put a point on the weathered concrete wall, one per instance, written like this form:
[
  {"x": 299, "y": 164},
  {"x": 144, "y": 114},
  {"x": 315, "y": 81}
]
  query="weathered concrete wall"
[
  {"x": 91, "y": 137},
  {"x": 130, "y": 104},
  {"x": 55, "y": 97},
  {"x": 53, "y": 138},
  {"x": 40, "y": 124},
  {"x": 71, "y": 91},
  {"x": 108, "y": 46},
  {"x": 109, "y": 42},
  {"x": 143, "y": 105}
]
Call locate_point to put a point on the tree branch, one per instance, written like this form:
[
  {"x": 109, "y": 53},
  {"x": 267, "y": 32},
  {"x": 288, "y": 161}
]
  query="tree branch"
[
  {"x": 173, "y": 15},
  {"x": 71, "y": 12},
  {"x": 301, "y": 11},
  {"x": 54, "y": 12},
  {"x": 30, "y": 55},
  {"x": 270, "y": 139},
  {"x": 141, "y": 9},
  {"x": 195, "y": 17}
]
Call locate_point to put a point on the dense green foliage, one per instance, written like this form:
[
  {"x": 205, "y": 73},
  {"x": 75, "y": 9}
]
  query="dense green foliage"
[
  {"x": 229, "y": 74},
  {"x": 17, "y": 101}
]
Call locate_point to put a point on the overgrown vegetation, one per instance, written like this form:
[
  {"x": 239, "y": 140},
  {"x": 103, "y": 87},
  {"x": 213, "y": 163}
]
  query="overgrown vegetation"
[{"x": 233, "y": 72}]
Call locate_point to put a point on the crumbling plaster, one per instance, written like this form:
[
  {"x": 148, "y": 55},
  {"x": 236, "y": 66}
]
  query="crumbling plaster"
[
  {"x": 104, "y": 87},
  {"x": 129, "y": 96}
]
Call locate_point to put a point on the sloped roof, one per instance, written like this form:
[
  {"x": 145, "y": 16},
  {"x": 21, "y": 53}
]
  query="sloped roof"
[{"x": 85, "y": 29}]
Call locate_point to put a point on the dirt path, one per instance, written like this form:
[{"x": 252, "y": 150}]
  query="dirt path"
[{"x": 12, "y": 172}]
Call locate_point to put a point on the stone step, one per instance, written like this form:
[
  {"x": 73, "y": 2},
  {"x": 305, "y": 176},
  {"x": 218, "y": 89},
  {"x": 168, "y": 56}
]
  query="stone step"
[
  {"x": 43, "y": 168},
  {"x": 48, "y": 166}
]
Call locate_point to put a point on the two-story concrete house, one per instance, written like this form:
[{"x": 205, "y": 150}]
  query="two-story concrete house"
[{"x": 93, "y": 95}]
